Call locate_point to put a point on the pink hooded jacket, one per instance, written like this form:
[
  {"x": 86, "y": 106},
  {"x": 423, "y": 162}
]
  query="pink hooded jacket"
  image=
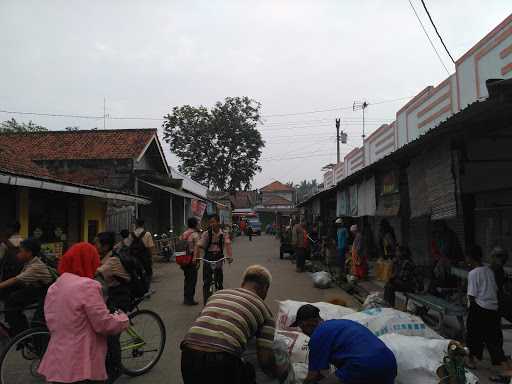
[{"x": 79, "y": 323}]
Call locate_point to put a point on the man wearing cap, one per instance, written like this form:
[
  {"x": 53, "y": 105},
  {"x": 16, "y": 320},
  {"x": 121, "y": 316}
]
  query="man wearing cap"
[{"x": 359, "y": 356}]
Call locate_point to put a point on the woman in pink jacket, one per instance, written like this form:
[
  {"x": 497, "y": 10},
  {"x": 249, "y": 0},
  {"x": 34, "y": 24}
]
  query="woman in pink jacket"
[{"x": 78, "y": 320}]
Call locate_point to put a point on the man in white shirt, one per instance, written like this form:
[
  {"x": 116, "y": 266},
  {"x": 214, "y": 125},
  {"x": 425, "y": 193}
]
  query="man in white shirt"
[{"x": 484, "y": 322}]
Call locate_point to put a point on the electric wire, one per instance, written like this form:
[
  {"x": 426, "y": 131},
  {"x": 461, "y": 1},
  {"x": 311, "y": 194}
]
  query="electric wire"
[
  {"x": 428, "y": 37},
  {"x": 437, "y": 32}
]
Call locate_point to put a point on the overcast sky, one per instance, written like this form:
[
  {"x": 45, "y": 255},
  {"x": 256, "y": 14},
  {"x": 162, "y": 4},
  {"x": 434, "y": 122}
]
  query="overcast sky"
[{"x": 293, "y": 56}]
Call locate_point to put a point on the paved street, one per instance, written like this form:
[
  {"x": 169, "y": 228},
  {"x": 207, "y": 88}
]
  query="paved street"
[{"x": 264, "y": 250}]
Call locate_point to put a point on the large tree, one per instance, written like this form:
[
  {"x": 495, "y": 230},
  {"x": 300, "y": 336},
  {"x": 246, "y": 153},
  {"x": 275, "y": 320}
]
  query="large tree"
[
  {"x": 219, "y": 147},
  {"x": 13, "y": 126}
]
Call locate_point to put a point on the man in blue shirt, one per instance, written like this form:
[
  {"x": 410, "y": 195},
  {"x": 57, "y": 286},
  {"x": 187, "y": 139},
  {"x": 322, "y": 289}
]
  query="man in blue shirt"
[{"x": 359, "y": 356}]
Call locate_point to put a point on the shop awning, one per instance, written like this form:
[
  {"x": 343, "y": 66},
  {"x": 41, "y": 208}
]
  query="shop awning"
[
  {"x": 57, "y": 186},
  {"x": 171, "y": 190}
]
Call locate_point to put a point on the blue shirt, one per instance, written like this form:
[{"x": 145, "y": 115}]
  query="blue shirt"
[
  {"x": 359, "y": 356},
  {"x": 342, "y": 236}
]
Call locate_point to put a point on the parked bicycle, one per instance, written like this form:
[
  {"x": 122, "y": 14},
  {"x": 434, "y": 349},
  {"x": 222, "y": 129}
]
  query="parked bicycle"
[{"x": 142, "y": 345}]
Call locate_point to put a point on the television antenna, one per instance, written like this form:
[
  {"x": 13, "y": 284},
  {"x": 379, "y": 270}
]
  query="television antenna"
[{"x": 360, "y": 106}]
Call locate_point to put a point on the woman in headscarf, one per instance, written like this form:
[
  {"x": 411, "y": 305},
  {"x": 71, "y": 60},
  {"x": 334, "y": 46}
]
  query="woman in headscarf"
[
  {"x": 359, "y": 259},
  {"x": 78, "y": 320}
]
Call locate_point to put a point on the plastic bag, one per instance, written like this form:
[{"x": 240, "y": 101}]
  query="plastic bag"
[
  {"x": 322, "y": 279},
  {"x": 382, "y": 321},
  {"x": 288, "y": 311},
  {"x": 418, "y": 358},
  {"x": 374, "y": 300}
]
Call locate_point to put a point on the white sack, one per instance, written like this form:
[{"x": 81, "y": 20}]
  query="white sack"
[
  {"x": 298, "y": 349},
  {"x": 382, "y": 321},
  {"x": 321, "y": 279},
  {"x": 288, "y": 311},
  {"x": 418, "y": 358}
]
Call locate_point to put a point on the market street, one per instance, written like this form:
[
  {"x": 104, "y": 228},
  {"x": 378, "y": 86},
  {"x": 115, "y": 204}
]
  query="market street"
[{"x": 287, "y": 284}]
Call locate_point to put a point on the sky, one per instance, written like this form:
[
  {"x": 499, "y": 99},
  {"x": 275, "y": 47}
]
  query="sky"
[{"x": 306, "y": 62}]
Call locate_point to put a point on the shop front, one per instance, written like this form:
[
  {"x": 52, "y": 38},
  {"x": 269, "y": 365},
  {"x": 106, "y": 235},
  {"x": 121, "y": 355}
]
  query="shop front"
[{"x": 57, "y": 214}]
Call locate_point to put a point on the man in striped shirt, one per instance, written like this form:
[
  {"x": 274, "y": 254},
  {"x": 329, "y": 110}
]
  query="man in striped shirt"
[{"x": 212, "y": 348}]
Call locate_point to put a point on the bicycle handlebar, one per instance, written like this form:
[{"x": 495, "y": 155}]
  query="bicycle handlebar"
[{"x": 212, "y": 261}]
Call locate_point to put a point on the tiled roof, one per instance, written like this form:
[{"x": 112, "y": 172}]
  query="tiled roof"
[
  {"x": 243, "y": 199},
  {"x": 275, "y": 200},
  {"x": 13, "y": 162},
  {"x": 276, "y": 186},
  {"x": 79, "y": 145}
]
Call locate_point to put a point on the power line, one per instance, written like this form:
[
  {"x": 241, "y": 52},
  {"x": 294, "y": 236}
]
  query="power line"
[
  {"x": 334, "y": 109},
  {"x": 428, "y": 37},
  {"x": 51, "y": 114},
  {"x": 99, "y": 117},
  {"x": 435, "y": 28}
]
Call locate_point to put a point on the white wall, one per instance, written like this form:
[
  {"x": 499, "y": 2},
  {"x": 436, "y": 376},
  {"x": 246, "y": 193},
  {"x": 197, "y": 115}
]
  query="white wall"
[
  {"x": 380, "y": 143},
  {"x": 486, "y": 60},
  {"x": 489, "y": 58},
  {"x": 354, "y": 161}
]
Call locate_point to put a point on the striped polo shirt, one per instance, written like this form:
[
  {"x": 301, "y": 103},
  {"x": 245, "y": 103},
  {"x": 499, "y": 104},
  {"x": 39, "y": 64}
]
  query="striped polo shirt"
[{"x": 230, "y": 318}]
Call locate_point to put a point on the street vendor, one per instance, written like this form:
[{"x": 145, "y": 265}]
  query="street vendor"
[{"x": 359, "y": 356}]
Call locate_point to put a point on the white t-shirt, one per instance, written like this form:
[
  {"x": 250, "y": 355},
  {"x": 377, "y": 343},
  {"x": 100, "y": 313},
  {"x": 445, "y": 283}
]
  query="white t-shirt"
[{"x": 482, "y": 286}]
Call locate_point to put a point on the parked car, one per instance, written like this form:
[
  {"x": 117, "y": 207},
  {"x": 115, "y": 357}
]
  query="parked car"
[{"x": 255, "y": 224}]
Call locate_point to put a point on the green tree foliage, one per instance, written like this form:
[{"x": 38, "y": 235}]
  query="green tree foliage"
[
  {"x": 12, "y": 126},
  {"x": 219, "y": 147},
  {"x": 305, "y": 188}
]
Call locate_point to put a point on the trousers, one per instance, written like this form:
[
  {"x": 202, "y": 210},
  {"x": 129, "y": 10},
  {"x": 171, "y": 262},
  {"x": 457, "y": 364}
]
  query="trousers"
[
  {"x": 484, "y": 330},
  {"x": 119, "y": 297},
  {"x": 300, "y": 258},
  {"x": 212, "y": 275},
  {"x": 189, "y": 289},
  {"x": 214, "y": 368},
  {"x": 17, "y": 301}
]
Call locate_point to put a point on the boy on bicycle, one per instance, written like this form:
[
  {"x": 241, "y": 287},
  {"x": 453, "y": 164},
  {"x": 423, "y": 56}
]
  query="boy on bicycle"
[{"x": 213, "y": 242}]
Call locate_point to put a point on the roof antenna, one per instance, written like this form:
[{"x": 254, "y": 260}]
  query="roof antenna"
[{"x": 105, "y": 114}]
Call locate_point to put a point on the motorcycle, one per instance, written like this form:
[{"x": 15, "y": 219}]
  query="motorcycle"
[{"x": 164, "y": 245}]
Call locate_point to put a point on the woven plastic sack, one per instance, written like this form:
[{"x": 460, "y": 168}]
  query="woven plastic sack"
[
  {"x": 288, "y": 311},
  {"x": 418, "y": 358},
  {"x": 382, "y": 321}
]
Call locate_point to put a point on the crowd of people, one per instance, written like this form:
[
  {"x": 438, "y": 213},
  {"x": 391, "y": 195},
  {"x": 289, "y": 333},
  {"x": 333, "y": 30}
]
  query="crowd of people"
[{"x": 83, "y": 301}]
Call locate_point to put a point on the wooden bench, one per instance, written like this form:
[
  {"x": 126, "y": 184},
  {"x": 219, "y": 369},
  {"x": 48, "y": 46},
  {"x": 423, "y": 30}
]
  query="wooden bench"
[{"x": 442, "y": 307}]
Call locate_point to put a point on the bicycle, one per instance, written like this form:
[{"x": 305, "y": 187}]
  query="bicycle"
[
  {"x": 20, "y": 360},
  {"x": 213, "y": 286}
]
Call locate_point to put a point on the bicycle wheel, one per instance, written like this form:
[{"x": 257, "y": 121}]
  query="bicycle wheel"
[
  {"x": 142, "y": 344},
  {"x": 20, "y": 359}
]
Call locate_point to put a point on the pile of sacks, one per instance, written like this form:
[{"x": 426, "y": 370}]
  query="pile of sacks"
[{"x": 419, "y": 350}]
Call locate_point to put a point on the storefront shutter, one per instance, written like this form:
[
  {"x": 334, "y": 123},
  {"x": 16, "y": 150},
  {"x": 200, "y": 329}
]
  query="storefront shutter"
[
  {"x": 418, "y": 191},
  {"x": 440, "y": 183}
]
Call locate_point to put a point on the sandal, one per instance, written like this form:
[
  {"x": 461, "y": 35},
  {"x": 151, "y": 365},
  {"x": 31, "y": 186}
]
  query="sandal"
[{"x": 500, "y": 379}]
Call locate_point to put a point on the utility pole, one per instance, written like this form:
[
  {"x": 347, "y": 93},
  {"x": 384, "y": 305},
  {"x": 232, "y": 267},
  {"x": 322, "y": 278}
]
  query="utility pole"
[
  {"x": 360, "y": 106},
  {"x": 105, "y": 114},
  {"x": 338, "y": 121}
]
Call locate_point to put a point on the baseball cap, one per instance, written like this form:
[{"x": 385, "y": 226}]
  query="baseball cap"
[{"x": 306, "y": 312}]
